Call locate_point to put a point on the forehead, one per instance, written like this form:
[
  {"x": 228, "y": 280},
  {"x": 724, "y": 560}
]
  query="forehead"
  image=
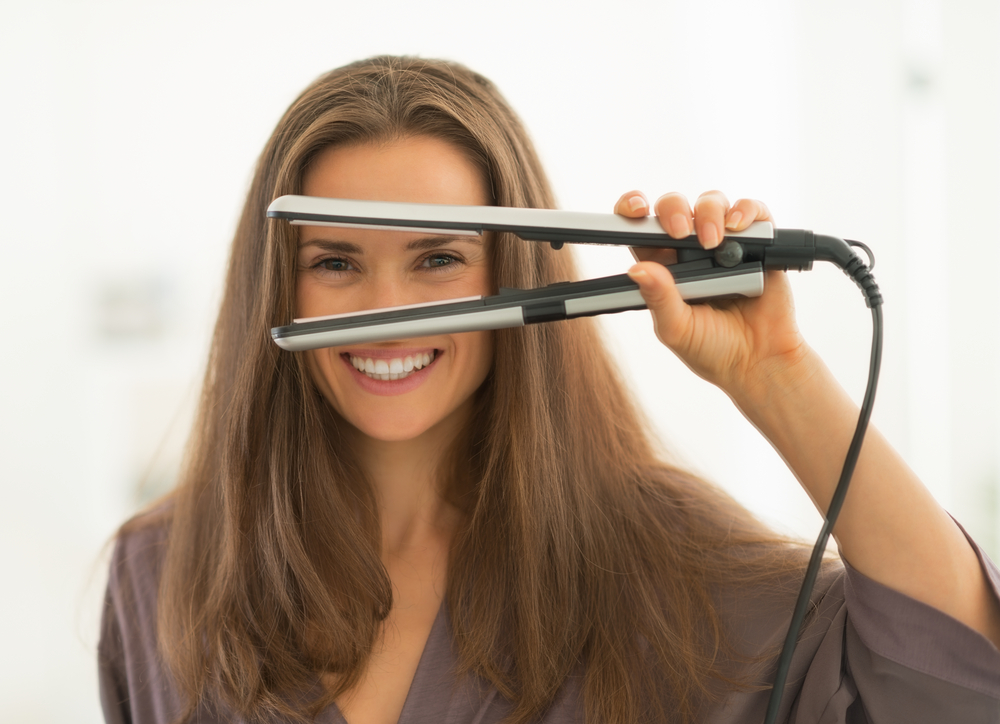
[{"x": 415, "y": 169}]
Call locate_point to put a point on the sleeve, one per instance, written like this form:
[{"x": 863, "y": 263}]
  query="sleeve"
[
  {"x": 111, "y": 666},
  {"x": 135, "y": 686},
  {"x": 885, "y": 657}
]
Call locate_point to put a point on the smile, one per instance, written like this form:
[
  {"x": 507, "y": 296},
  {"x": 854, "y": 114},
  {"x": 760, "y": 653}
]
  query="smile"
[{"x": 395, "y": 368}]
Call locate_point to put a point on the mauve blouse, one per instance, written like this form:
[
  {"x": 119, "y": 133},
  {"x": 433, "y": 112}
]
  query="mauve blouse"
[{"x": 867, "y": 655}]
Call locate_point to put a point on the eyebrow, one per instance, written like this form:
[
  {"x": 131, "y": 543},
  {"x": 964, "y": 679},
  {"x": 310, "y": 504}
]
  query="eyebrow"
[{"x": 427, "y": 242}]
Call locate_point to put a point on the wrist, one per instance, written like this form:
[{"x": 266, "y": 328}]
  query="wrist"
[{"x": 779, "y": 386}]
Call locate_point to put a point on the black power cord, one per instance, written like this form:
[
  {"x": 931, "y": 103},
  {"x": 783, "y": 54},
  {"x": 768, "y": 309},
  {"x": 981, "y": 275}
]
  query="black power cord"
[{"x": 838, "y": 251}]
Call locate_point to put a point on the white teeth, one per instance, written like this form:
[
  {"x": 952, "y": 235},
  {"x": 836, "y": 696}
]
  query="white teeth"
[{"x": 393, "y": 369}]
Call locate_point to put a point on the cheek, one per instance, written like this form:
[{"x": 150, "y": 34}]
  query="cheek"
[
  {"x": 303, "y": 298},
  {"x": 316, "y": 362},
  {"x": 483, "y": 357}
]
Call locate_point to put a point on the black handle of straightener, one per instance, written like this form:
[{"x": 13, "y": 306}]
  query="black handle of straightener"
[{"x": 796, "y": 249}]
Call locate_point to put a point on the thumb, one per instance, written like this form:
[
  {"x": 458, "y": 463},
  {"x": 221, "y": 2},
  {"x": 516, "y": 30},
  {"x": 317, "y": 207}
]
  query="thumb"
[{"x": 671, "y": 314}]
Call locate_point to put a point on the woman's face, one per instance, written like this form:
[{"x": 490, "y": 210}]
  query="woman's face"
[{"x": 395, "y": 390}]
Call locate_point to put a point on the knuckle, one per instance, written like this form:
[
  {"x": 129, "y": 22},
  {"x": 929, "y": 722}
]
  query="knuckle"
[
  {"x": 713, "y": 196},
  {"x": 672, "y": 197},
  {"x": 712, "y": 201},
  {"x": 672, "y": 203}
]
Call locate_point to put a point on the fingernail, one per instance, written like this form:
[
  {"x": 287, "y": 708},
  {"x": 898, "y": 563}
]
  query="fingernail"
[
  {"x": 709, "y": 235},
  {"x": 734, "y": 220},
  {"x": 679, "y": 226},
  {"x": 636, "y": 202},
  {"x": 638, "y": 275}
]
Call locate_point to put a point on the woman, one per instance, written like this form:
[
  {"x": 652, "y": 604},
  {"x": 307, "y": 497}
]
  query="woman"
[{"x": 490, "y": 533}]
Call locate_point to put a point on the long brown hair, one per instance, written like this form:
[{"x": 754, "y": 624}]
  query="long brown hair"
[{"x": 580, "y": 549}]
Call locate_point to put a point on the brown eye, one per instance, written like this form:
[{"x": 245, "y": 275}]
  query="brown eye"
[
  {"x": 333, "y": 264},
  {"x": 437, "y": 261}
]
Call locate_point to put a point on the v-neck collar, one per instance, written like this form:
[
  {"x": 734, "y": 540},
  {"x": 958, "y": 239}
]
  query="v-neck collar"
[{"x": 432, "y": 681}]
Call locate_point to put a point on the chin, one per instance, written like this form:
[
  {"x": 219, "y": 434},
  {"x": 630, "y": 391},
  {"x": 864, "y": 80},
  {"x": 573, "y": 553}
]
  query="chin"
[
  {"x": 392, "y": 434},
  {"x": 391, "y": 431}
]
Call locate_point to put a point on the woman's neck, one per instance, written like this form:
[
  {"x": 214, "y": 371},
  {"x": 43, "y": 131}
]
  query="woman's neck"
[{"x": 406, "y": 476}]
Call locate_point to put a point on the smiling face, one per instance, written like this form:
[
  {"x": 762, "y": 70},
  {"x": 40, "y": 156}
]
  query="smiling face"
[{"x": 399, "y": 390}]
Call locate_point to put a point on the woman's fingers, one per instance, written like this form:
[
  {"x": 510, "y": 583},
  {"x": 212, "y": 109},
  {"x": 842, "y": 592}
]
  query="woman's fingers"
[
  {"x": 655, "y": 283},
  {"x": 744, "y": 212},
  {"x": 633, "y": 204},
  {"x": 675, "y": 215},
  {"x": 710, "y": 218},
  {"x": 671, "y": 314}
]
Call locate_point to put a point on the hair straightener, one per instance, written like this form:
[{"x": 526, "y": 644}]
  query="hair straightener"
[{"x": 734, "y": 268}]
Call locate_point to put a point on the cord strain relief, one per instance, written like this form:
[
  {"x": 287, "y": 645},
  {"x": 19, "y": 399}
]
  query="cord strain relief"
[{"x": 859, "y": 273}]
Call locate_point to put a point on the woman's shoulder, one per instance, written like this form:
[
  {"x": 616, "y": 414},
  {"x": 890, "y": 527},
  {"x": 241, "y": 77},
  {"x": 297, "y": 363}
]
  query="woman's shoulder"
[
  {"x": 132, "y": 678},
  {"x": 139, "y": 549},
  {"x": 141, "y": 541}
]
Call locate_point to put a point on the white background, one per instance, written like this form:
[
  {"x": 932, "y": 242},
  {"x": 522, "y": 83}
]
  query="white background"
[{"x": 129, "y": 131}]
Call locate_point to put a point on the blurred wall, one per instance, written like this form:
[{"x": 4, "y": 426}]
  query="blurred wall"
[{"x": 130, "y": 130}]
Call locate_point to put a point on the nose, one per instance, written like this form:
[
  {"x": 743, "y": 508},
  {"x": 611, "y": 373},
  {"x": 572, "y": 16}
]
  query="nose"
[{"x": 385, "y": 291}]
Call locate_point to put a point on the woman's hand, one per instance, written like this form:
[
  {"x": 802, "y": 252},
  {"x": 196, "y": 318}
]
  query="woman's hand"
[{"x": 741, "y": 345}]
